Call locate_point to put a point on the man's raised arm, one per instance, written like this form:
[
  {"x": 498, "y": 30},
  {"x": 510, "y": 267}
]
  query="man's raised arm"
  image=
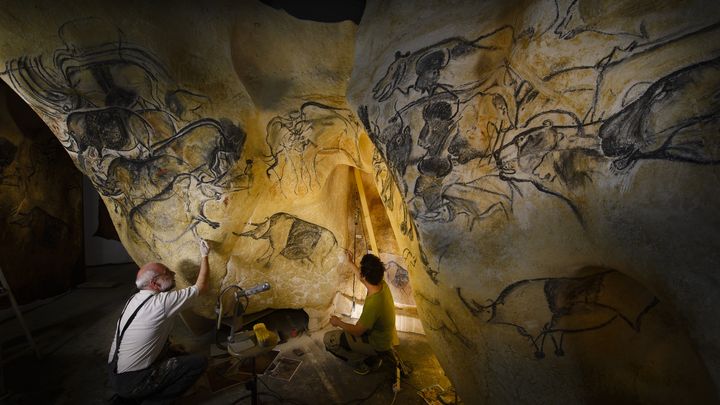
[{"x": 202, "y": 283}]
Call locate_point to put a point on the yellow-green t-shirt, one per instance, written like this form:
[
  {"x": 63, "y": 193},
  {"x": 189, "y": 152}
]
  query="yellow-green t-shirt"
[{"x": 378, "y": 316}]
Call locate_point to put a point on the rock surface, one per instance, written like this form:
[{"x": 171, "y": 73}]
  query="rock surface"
[
  {"x": 548, "y": 170},
  {"x": 559, "y": 160},
  {"x": 40, "y": 206}
]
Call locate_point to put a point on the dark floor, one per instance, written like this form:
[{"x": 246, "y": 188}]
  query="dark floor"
[{"x": 74, "y": 332}]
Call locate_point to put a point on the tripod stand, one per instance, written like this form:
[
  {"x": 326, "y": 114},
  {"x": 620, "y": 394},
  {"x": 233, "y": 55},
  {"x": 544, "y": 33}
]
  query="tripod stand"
[{"x": 244, "y": 345}]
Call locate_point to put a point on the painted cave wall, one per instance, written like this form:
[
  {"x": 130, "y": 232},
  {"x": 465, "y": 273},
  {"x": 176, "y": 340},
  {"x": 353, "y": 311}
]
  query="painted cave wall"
[
  {"x": 229, "y": 134},
  {"x": 545, "y": 172},
  {"x": 559, "y": 160},
  {"x": 40, "y": 205}
]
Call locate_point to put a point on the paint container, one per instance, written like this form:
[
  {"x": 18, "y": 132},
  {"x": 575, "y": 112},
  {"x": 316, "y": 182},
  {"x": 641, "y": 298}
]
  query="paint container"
[{"x": 263, "y": 336}]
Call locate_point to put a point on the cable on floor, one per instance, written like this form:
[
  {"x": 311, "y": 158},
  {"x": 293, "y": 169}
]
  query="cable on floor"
[
  {"x": 274, "y": 394},
  {"x": 394, "y": 398},
  {"x": 406, "y": 382},
  {"x": 365, "y": 398},
  {"x": 280, "y": 397},
  {"x": 260, "y": 394}
]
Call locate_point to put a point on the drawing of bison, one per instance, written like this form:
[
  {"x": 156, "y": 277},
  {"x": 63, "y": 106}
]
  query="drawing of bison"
[{"x": 551, "y": 307}]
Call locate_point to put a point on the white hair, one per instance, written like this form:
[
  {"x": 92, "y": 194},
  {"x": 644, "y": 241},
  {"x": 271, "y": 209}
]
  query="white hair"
[
  {"x": 143, "y": 280},
  {"x": 166, "y": 285}
]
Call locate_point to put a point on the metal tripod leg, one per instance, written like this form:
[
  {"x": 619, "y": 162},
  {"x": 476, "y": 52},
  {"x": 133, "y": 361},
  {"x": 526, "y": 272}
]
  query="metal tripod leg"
[
  {"x": 3, "y": 393},
  {"x": 252, "y": 384},
  {"x": 5, "y": 291}
]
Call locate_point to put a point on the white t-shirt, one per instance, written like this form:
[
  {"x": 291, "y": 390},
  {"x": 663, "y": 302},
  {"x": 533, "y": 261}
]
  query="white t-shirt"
[{"x": 146, "y": 336}]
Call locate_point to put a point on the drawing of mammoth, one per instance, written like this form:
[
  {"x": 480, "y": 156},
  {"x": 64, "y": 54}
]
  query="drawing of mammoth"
[
  {"x": 551, "y": 307},
  {"x": 293, "y": 238},
  {"x": 299, "y": 141}
]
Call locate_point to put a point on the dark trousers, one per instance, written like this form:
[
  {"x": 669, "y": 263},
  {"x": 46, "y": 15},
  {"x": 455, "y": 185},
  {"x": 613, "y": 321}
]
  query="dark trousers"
[
  {"x": 160, "y": 383},
  {"x": 352, "y": 349}
]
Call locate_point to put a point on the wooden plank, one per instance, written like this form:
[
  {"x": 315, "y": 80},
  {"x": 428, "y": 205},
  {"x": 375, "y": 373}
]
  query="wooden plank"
[{"x": 366, "y": 211}]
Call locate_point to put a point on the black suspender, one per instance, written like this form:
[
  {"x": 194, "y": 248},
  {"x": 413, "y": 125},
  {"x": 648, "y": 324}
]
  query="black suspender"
[{"x": 118, "y": 334}]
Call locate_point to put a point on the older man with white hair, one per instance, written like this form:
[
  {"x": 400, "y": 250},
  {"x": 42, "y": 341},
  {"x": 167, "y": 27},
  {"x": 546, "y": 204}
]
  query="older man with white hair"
[{"x": 138, "y": 367}]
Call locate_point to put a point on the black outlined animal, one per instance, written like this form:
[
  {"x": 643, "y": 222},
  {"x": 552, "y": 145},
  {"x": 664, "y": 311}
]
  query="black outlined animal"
[
  {"x": 293, "y": 238},
  {"x": 398, "y": 275},
  {"x": 556, "y": 160},
  {"x": 300, "y": 139},
  {"x": 49, "y": 231},
  {"x": 480, "y": 198},
  {"x": 399, "y": 148},
  {"x": 185, "y": 194},
  {"x": 421, "y": 69},
  {"x": 8, "y": 151},
  {"x": 677, "y": 119},
  {"x": 144, "y": 143},
  {"x": 605, "y": 17},
  {"x": 398, "y": 279},
  {"x": 552, "y": 307}
]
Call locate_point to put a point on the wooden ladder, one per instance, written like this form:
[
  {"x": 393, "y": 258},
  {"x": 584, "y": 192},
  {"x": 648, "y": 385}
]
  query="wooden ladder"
[{"x": 6, "y": 292}]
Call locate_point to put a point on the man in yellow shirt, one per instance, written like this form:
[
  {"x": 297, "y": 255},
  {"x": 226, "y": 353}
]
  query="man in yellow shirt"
[{"x": 359, "y": 344}]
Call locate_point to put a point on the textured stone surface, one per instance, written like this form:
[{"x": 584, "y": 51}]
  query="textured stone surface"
[
  {"x": 559, "y": 160},
  {"x": 548, "y": 170},
  {"x": 40, "y": 206},
  {"x": 229, "y": 124}
]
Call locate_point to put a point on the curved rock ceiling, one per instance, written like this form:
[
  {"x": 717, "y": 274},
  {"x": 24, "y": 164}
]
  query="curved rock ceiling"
[
  {"x": 548, "y": 169},
  {"x": 40, "y": 206}
]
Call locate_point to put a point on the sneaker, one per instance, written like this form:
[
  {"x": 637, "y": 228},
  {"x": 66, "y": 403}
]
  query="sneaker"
[
  {"x": 362, "y": 369},
  {"x": 368, "y": 365},
  {"x": 373, "y": 363}
]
